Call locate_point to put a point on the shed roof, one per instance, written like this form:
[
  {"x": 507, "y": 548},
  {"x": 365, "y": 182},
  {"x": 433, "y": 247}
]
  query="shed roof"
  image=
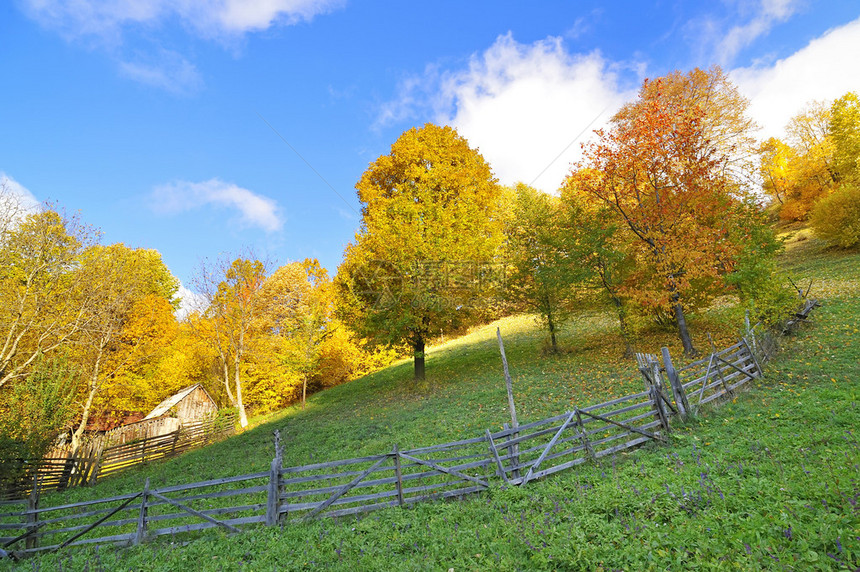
[{"x": 165, "y": 405}]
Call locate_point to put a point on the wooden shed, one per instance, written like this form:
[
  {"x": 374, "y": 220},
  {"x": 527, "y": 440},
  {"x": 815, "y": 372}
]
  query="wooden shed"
[{"x": 188, "y": 404}]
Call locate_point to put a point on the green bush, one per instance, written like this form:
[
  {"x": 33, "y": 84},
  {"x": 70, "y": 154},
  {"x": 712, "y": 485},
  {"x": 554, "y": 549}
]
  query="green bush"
[
  {"x": 836, "y": 217},
  {"x": 37, "y": 408}
]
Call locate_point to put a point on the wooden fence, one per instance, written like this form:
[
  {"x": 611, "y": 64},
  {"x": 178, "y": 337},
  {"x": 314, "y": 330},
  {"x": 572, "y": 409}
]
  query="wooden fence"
[
  {"x": 98, "y": 458},
  {"x": 513, "y": 456}
]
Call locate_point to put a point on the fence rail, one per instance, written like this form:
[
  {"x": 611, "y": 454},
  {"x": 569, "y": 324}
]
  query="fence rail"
[
  {"x": 343, "y": 487},
  {"x": 515, "y": 456},
  {"x": 98, "y": 459}
]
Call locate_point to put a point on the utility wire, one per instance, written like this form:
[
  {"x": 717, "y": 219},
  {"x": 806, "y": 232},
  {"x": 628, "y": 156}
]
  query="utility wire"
[
  {"x": 563, "y": 151},
  {"x": 308, "y": 164}
]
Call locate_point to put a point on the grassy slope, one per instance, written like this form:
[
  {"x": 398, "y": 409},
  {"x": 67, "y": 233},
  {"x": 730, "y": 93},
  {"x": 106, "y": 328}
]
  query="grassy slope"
[{"x": 767, "y": 482}]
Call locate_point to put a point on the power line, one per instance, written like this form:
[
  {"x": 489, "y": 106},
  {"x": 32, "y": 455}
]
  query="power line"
[
  {"x": 563, "y": 151},
  {"x": 323, "y": 179}
]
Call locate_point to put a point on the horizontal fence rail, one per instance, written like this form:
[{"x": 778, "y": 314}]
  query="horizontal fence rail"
[
  {"x": 344, "y": 487},
  {"x": 513, "y": 456},
  {"x": 98, "y": 458}
]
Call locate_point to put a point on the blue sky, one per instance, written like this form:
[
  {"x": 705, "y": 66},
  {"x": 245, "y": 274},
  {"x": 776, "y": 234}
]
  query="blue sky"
[{"x": 205, "y": 127}]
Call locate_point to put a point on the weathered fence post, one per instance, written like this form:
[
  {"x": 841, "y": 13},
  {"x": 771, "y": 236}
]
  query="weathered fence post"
[
  {"x": 583, "y": 437},
  {"x": 143, "y": 451},
  {"x": 398, "y": 475},
  {"x": 675, "y": 382},
  {"x": 141, "y": 518},
  {"x": 658, "y": 406},
  {"x": 97, "y": 464},
  {"x": 33, "y": 516},
  {"x": 515, "y": 450},
  {"x": 491, "y": 446},
  {"x": 755, "y": 359},
  {"x": 657, "y": 400},
  {"x": 175, "y": 441},
  {"x": 273, "y": 500},
  {"x": 513, "y": 454}
]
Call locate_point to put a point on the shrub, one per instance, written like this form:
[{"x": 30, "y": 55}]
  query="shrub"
[
  {"x": 836, "y": 217},
  {"x": 37, "y": 408}
]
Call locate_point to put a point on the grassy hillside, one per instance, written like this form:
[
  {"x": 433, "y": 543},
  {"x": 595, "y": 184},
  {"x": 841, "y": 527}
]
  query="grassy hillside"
[{"x": 769, "y": 481}]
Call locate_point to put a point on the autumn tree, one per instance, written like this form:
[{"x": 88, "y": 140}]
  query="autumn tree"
[
  {"x": 845, "y": 132},
  {"x": 299, "y": 310},
  {"x": 801, "y": 170},
  {"x": 37, "y": 408},
  {"x": 126, "y": 287},
  {"x": 141, "y": 382},
  {"x": 430, "y": 226},
  {"x": 540, "y": 275},
  {"x": 835, "y": 216},
  {"x": 598, "y": 249},
  {"x": 776, "y": 159},
  {"x": 709, "y": 98},
  {"x": 667, "y": 184},
  {"x": 230, "y": 319},
  {"x": 44, "y": 300}
]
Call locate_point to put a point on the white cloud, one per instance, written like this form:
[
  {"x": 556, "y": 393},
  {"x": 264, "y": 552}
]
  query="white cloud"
[
  {"x": 524, "y": 106},
  {"x": 239, "y": 16},
  {"x": 169, "y": 71},
  {"x": 107, "y": 18},
  {"x": 254, "y": 210},
  {"x": 823, "y": 70},
  {"x": 189, "y": 301},
  {"x": 721, "y": 39},
  {"x": 767, "y": 14},
  {"x": 111, "y": 24},
  {"x": 18, "y": 193}
]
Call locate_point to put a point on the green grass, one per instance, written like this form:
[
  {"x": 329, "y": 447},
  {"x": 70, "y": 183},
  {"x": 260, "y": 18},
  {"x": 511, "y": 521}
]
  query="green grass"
[{"x": 769, "y": 481}]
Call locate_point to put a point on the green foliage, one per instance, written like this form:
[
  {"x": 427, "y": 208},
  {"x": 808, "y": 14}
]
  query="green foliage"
[
  {"x": 38, "y": 407},
  {"x": 541, "y": 277},
  {"x": 430, "y": 225},
  {"x": 762, "y": 288},
  {"x": 845, "y": 131},
  {"x": 836, "y": 217}
]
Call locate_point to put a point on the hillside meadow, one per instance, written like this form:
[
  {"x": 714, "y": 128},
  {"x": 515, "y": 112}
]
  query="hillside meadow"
[{"x": 768, "y": 481}]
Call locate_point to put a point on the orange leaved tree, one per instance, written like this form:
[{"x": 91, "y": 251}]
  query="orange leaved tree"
[{"x": 666, "y": 182}]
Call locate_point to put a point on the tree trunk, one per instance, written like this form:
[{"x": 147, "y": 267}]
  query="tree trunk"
[
  {"x": 552, "y": 332},
  {"x": 304, "y": 389},
  {"x": 227, "y": 382},
  {"x": 94, "y": 386},
  {"x": 243, "y": 418},
  {"x": 622, "y": 323},
  {"x": 418, "y": 346},
  {"x": 683, "y": 332},
  {"x": 85, "y": 418}
]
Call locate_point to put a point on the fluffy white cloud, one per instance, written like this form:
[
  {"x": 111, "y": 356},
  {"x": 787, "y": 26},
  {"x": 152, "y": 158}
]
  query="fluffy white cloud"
[
  {"x": 168, "y": 71},
  {"x": 189, "y": 301},
  {"x": 526, "y": 107},
  {"x": 106, "y": 18},
  {"x": 254, "y": 210},
  {"x": 765, "y": 15},
  {"x": 823, "y": 70},
  {"x": 17, "y": 193}
]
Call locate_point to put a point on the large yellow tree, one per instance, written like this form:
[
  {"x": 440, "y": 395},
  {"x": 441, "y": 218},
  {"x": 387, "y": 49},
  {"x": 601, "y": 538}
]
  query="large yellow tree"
[
  {"x": 132, "y": 291},
  {"x": 230, "y": 322},
  {"x": 430, "y": 229},
  {"x": 44, "y": 300}
]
